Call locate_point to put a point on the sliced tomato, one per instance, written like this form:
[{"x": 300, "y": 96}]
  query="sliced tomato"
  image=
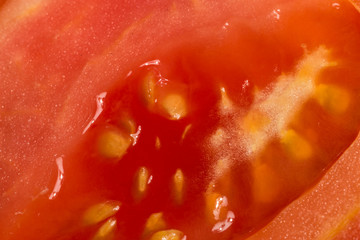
[{"x": 72, "y": 77}]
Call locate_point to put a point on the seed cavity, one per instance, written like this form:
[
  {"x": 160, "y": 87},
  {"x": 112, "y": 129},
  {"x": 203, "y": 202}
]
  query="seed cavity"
[
  {"x": 101, "y": 211},
  {"x": 171, "y": 234},
  {"x": 106, "y": 231},
  {"x": 112, "y": 144},
  {"x": 154, "y": 223}
]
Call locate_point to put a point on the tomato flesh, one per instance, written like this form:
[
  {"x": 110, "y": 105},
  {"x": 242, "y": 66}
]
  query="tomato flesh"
[{"x": 243, "y": 59}]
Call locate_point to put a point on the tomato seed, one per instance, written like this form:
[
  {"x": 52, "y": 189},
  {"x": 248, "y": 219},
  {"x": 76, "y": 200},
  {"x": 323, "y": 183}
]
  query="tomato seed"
[
  {"x": 113, "y": 144},
  {"x": 185, "y": 132},
  {"x": 295, "y": 145},
  {"x": 154, "y": 223},
  {"x": 175, "y": 106},
  {"x": 178, "y": 186},
  {"x": 106, "y": 231},
  {"x": 334, "y": 99},
  {"x": 141, "y": 182},
  {"x": 171, "y": 234},
  {"x": 101, "y": 211},
  {"x": 148, "y": 90},
  {"x": 157, "y": 143}
]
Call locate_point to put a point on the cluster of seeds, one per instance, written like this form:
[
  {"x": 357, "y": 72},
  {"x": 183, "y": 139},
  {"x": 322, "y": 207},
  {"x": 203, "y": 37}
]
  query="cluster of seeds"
[{"x": 266, "y": 136}]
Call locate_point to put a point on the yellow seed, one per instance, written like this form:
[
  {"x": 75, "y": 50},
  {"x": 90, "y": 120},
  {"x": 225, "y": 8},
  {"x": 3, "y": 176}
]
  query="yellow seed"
[
  {"x": 143, "y": 178},
  {"x": 157, "y": 143},
  {"x": 175, "y": 106},
  {"x": 148, "y": 89},
  {"x": 185, "y": 132},
  {"x": 295, "y": 145},
  {"x": 266, "y": 184},
  {"x": 178, "y": 186},
  {"x": 141, "y": 182},
  {"x": 106, "y": 231},
  {"x": 101, "y": 211},
  {"x": 154, "y": 223},
  {"x": 334, "y": 99},
  {"x": 113, "y": 144},
  {"x": 128, "y": 124},
  {"x": 171, "y": 234}
]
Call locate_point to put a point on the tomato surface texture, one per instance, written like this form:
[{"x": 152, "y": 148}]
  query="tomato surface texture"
[{"x": 179, "y": 119}]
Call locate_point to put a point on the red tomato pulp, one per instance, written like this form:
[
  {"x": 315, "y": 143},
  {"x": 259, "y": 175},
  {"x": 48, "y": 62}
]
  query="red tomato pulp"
[{"x": 226, "y": 64}]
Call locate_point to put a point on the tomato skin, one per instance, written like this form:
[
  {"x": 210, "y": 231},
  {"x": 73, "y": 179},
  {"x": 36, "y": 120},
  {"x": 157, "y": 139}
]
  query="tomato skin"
[{"x": 57, "y": 120}]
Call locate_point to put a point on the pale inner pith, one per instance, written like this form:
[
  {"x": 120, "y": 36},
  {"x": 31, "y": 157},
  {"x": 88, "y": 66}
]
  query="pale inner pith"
[{"x": 274, "y": 107}]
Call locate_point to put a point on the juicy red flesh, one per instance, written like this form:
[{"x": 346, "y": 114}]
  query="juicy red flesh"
[{"x": 242, "y": 52}]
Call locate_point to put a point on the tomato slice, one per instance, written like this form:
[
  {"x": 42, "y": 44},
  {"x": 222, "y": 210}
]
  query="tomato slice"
[{"x": 222, "y": 118}]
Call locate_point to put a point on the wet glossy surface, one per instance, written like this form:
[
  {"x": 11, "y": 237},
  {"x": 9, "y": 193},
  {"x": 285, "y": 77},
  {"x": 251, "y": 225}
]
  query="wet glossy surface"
[{"x": 221, "y": 177}]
